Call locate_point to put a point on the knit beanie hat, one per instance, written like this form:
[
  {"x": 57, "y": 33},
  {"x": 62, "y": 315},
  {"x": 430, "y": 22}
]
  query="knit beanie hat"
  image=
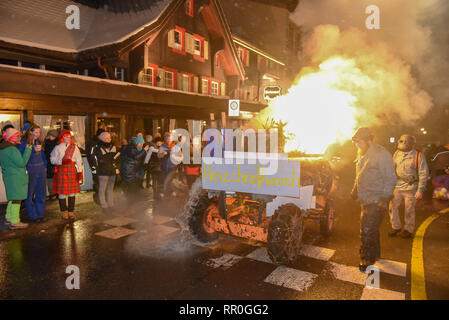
[{"x": 139, "y": 139}]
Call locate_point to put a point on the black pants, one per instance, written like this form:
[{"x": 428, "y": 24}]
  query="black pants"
[
  {"x": 156, "y": 180},
  {"x": 370, "y": 220},
  {"x": 132, "y": 189}
]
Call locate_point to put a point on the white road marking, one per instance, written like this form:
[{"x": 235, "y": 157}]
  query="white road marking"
[
  {"x": 348, "y": 273},
  {"x": 160, "y": 219},
  {"x": 381, "y": 294},
  {"x": 315, "y": 252},
  {"x": 224, "y": 262},
  {"x": 291, "y": 278},
  {"x": 115, "y": 233},
  {"x": 260, "y": 254},
  {"x": 160, "y": 231},
  {"x": 392, "y": 267},
  {"x": 120, "y": 221}
]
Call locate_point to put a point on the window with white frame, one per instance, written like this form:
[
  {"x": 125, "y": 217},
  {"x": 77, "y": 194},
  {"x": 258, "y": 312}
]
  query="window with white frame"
[
  {"x": 204, "y": 86},
  {"x": 178, "y": 39},
  {"x": 186, "y": 82},
  {"x": 214, "y": 88},
  {"x": 148, "y": 76},
  {"x": 119, "y": 74},
  {"x": 197, "y": 47},
  {"x": 169, "y": 79}
]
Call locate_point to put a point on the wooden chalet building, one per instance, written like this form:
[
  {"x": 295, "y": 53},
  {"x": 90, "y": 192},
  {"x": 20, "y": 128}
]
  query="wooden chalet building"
[{"x": 136, "y": 64}]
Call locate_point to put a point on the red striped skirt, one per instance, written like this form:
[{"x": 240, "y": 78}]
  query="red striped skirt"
[{"x": 65, "y": 180}]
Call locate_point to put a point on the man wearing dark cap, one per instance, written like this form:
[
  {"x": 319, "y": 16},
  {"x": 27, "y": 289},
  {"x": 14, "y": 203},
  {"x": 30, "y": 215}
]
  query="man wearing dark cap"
[{"x": 373, "y": 188}]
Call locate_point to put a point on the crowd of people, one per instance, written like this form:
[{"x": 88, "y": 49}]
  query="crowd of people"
[
  {"x": 30, "y": 164},
  {"x": 36, "y": 170}
]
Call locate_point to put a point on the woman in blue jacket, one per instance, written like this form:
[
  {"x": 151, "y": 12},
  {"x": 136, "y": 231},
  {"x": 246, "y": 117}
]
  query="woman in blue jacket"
[{"x": 37, "y": 173}]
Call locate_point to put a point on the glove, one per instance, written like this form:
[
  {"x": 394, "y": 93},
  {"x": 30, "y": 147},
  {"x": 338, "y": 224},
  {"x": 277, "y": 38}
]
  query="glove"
[
  {"x": 67, "y": 161},
  {"x": 94, "y": 170}
]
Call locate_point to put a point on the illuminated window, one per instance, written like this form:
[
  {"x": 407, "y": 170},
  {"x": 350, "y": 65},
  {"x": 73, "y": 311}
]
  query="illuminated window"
[
  {"x": 178, "y": 40},
  {"x": 169, "y": 79},
  {"x": 204, "y": 86},
  {"x": 148, "y": 76},
  {"x": 197, "y": 47},
  {"x": 214, "y": 88}
]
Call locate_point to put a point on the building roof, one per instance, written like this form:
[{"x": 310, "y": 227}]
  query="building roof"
[
  {"x": 261, "y": 23},
  {"x": 42, "y": 23}
]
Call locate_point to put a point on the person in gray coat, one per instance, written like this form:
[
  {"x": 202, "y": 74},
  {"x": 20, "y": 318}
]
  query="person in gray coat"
[{"x": 373, "y": 188}]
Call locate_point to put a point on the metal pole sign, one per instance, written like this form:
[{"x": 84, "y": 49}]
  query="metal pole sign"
[{"x": 234, "y": 108}]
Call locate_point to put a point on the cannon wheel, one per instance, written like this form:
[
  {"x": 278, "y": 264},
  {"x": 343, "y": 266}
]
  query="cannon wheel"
[
  {"x": 327, "y": 219},
  {"x": 285, "y": 233},
  {"x": 200, "y": 214}
]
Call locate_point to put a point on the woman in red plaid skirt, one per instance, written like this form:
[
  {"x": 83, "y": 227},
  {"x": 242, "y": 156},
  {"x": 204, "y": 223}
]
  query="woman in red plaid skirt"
[{"x": 66, "y": 157}]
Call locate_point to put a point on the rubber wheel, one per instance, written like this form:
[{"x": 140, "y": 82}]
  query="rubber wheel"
[
  {"x": 327, "y": 219},
  {"x": 285, "y": 233},
  {"x": 199, "y": 212}
]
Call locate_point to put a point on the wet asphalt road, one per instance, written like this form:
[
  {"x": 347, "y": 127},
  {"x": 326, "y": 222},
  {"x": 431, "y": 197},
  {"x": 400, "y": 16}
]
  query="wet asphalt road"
[{"x": 156, "y": 260}]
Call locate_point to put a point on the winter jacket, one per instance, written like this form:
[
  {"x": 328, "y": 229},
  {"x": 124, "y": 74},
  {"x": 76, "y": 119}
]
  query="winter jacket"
[
  {"x": 171, "y": 160},
  {"x": 106, "y": 159},
  {"x": 132, "y": 165},
  {"x": 15, "y": 176},
  {"x": 49, "y": 146},
  {"x": 375, "y": 175},
  {"x": 411, "y": 175},
  {"x": 35, "y": 158},
  {"x": 154, "y": 162},
  {"x": 90, "y": 151},
  {"x": 59, "y": 152}
]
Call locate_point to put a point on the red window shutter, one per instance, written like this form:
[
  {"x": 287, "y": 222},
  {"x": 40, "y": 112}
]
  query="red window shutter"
[{"x": 154, "y": 66}]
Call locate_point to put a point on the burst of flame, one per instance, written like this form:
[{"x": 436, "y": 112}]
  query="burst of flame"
[
  {"x": 349, "y": 82},
  {"x": 317, "y": 109}
]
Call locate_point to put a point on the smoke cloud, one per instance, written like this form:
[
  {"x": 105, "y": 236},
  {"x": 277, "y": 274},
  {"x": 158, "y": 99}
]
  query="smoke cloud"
[{"x": 417, "y": 32}]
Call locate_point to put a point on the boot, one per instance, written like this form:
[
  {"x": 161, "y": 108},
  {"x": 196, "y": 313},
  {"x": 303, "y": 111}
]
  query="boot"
[
  {"x": 72, "y": 208},
  {"x": 63, "y": 208},
  {"x": 18, "y": 225}
]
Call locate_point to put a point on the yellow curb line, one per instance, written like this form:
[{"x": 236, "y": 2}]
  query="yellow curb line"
[{"x": 418, "y": 291}]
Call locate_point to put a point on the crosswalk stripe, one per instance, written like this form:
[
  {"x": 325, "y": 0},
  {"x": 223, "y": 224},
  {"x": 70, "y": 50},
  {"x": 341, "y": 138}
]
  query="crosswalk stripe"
[
  {"x": 381, "y": 294},
  {"x": 224, "y": 262},
  {"x": 260, "y": 254},
  {"x": 291, "y": 278},
  {"x": 315, "y": 252},
  {"x": 348, "y": 273},
  {"x": 392, "y": 267}
]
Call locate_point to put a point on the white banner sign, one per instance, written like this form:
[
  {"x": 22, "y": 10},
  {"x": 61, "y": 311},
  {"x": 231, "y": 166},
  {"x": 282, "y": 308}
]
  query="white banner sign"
[{"x": 253, "y": 178}]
